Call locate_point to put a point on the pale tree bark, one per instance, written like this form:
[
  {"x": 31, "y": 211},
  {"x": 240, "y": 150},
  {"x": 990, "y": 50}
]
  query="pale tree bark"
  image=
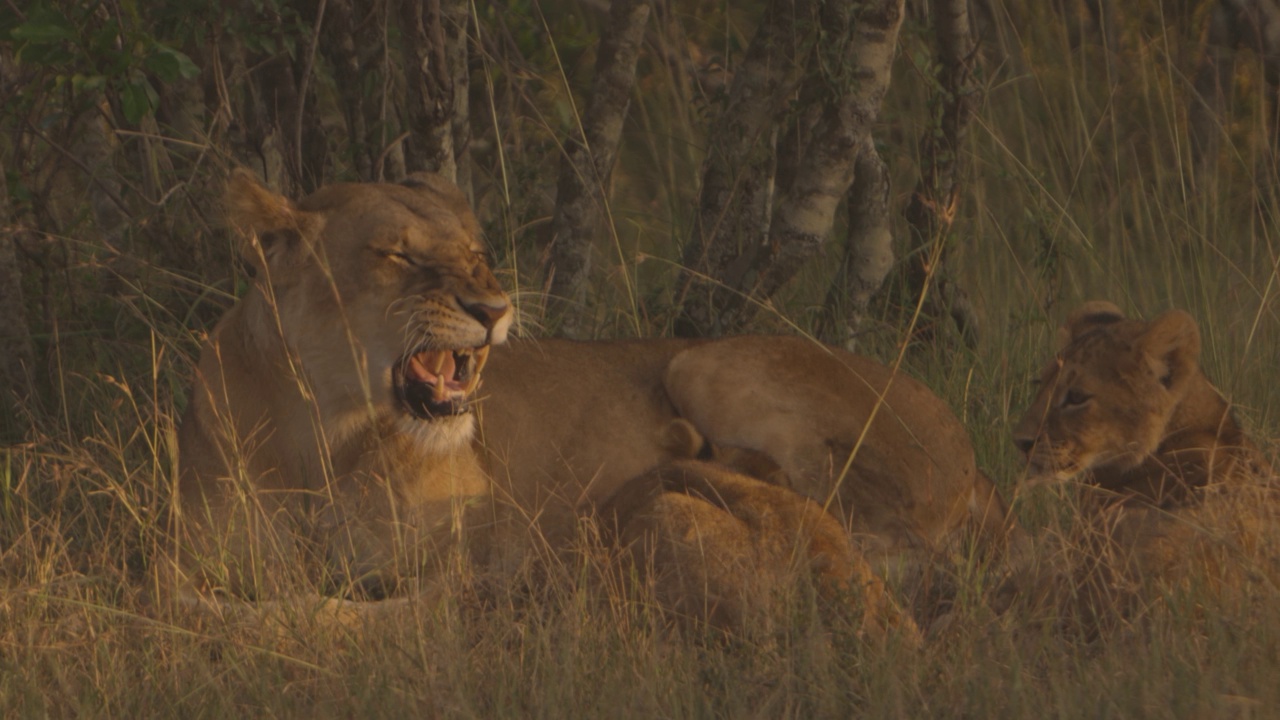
[
  {"x": 806, "y": 213},
  {"x": 848, "y": 76},
  {"x": 868, "y": 255},
  {"x": 932, "y": 207},
  {"x": 457, "y": 19},
  {"x": 582, "y": 191},
  {"x": 737, "y": 175},
  {"x": 430, "y": 89}
]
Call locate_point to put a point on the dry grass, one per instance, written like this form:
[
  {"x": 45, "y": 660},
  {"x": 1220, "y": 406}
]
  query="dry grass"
[{"x": 1078, "y": 191}]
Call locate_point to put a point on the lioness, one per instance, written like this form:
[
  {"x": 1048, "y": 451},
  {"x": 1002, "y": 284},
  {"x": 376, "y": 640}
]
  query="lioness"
[
  {"x": 722, "y": 546},
  {"x": 331, "y": 411},
  {"x": 1173, "y": 487},
  {"x": 332, "y": 421}
]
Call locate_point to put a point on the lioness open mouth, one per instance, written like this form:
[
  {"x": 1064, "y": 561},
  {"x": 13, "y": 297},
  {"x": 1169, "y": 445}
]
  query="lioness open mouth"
[{"x": 437, "y": 383}]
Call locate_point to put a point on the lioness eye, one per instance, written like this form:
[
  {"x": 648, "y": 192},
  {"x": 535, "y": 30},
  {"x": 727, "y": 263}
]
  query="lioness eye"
[
  {"x": 1075, "y": 397},
  {"x": 398, "y": 255}
]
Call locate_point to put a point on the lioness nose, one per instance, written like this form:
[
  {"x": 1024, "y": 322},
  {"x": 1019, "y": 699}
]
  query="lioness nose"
[
  {"x": 486, "y": 314},
  {"x": 1025, "y": 444}
]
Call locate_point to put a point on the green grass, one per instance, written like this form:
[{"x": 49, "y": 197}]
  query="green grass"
[{"x": 1076, "y": 190}]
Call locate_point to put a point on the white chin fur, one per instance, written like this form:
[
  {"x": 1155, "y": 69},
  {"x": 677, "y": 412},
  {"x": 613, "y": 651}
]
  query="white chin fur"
[{"x": 442, "y": 435}]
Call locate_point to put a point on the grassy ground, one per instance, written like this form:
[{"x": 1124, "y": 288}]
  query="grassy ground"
[{"x": 1079, "y": 191}]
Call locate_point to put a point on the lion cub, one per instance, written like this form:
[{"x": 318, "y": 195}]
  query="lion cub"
[
  {"x": 1172, "y": 491},
  {"x": 721, "y": 546}
]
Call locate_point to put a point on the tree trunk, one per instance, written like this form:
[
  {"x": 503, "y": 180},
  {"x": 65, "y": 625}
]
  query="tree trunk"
[
  {"x": 457, "y": 18},
  {"x": 868, "y": 253},
  {"x": 803, "y": 220},
  {"x": 848, "y": 76},
  {"x": 932, "y": 206},
  {"x": 430, "y": 89},
  {"x": 738, "y": 171},
  {"x": 281, "y": 140},
  {"x": 16, "y": 354},
  {"x": 582, "y": 191},
  {"x": 347, "y": 48}
]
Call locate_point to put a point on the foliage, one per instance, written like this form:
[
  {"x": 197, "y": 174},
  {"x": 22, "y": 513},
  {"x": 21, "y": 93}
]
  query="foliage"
[{"x": 78, "y": 47}]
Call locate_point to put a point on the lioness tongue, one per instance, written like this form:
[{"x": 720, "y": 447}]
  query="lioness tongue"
[
  {"x": 427, "y": 367},
  {"x": 437, "y": 369}
]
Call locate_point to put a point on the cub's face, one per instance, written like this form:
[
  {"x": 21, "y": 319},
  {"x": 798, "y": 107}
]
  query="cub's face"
[
  {"x": 384, "y": 294},
  {"x": 1106, "y": 398}
]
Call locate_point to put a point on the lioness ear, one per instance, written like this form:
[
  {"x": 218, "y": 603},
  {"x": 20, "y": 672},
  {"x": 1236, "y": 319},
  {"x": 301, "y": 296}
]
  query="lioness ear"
[
  {"x": 1172, "y": 344},
  {"x": 270, "y": 224},
  {"x": 1087, "y": 317}
]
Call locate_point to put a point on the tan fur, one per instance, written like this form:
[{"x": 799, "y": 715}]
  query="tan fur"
[
  {"x": 1125, "y": 406},
  {"x": 296, "y": 453},
  {"x": 566, "y": 423},
  {"x": 721, "y": 547},
  {"x": 1172, "y": 488},
  {"x": 877, "y": 447}
]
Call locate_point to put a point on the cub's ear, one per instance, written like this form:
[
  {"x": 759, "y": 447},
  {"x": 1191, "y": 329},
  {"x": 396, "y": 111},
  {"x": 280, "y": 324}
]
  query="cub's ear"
[
  {"x": 270, "y": 225},
  {"x": 682, "y": 440},
  {"x": 1171, "y": 343},
  {"x": 1087, "y": 317}
]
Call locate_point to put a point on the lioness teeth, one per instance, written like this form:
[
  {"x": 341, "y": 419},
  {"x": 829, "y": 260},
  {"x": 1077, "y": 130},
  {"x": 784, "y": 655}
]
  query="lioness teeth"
[
  {"x": 443, "y": 377},
  {"x": 472, "y": 382}
]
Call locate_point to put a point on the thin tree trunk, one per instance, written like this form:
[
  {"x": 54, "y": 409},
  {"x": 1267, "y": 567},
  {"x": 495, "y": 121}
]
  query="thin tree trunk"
[
  {"x": 281, "y": 139},
  {"x": 582, "y": 191},
  {"x": 457, "y": 18},
  {"x": 868, "y": 253},
  {"x": 738, "y": 172},
  {"x": 932, "y": 206},
  {"x": 347, "y": 49},
  {"x": 430, "y": 89},
  {"x": 16, "y": 353},
  {"x": 855, "y": 58},
  {"x": 803, "y": 220}
]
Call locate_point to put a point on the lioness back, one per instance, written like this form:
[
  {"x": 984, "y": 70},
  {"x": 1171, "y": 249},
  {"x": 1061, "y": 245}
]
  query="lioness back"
[{"x": 566, "y": 423}]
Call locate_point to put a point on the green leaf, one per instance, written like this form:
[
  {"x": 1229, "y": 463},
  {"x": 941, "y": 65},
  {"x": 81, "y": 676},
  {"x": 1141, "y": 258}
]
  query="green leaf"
[
  {"x": 44, "y": 27},
  {"x": 87, "y": 83},
  {"x": 170, "y": 64},
  {"x": 135, "y": 100}
]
